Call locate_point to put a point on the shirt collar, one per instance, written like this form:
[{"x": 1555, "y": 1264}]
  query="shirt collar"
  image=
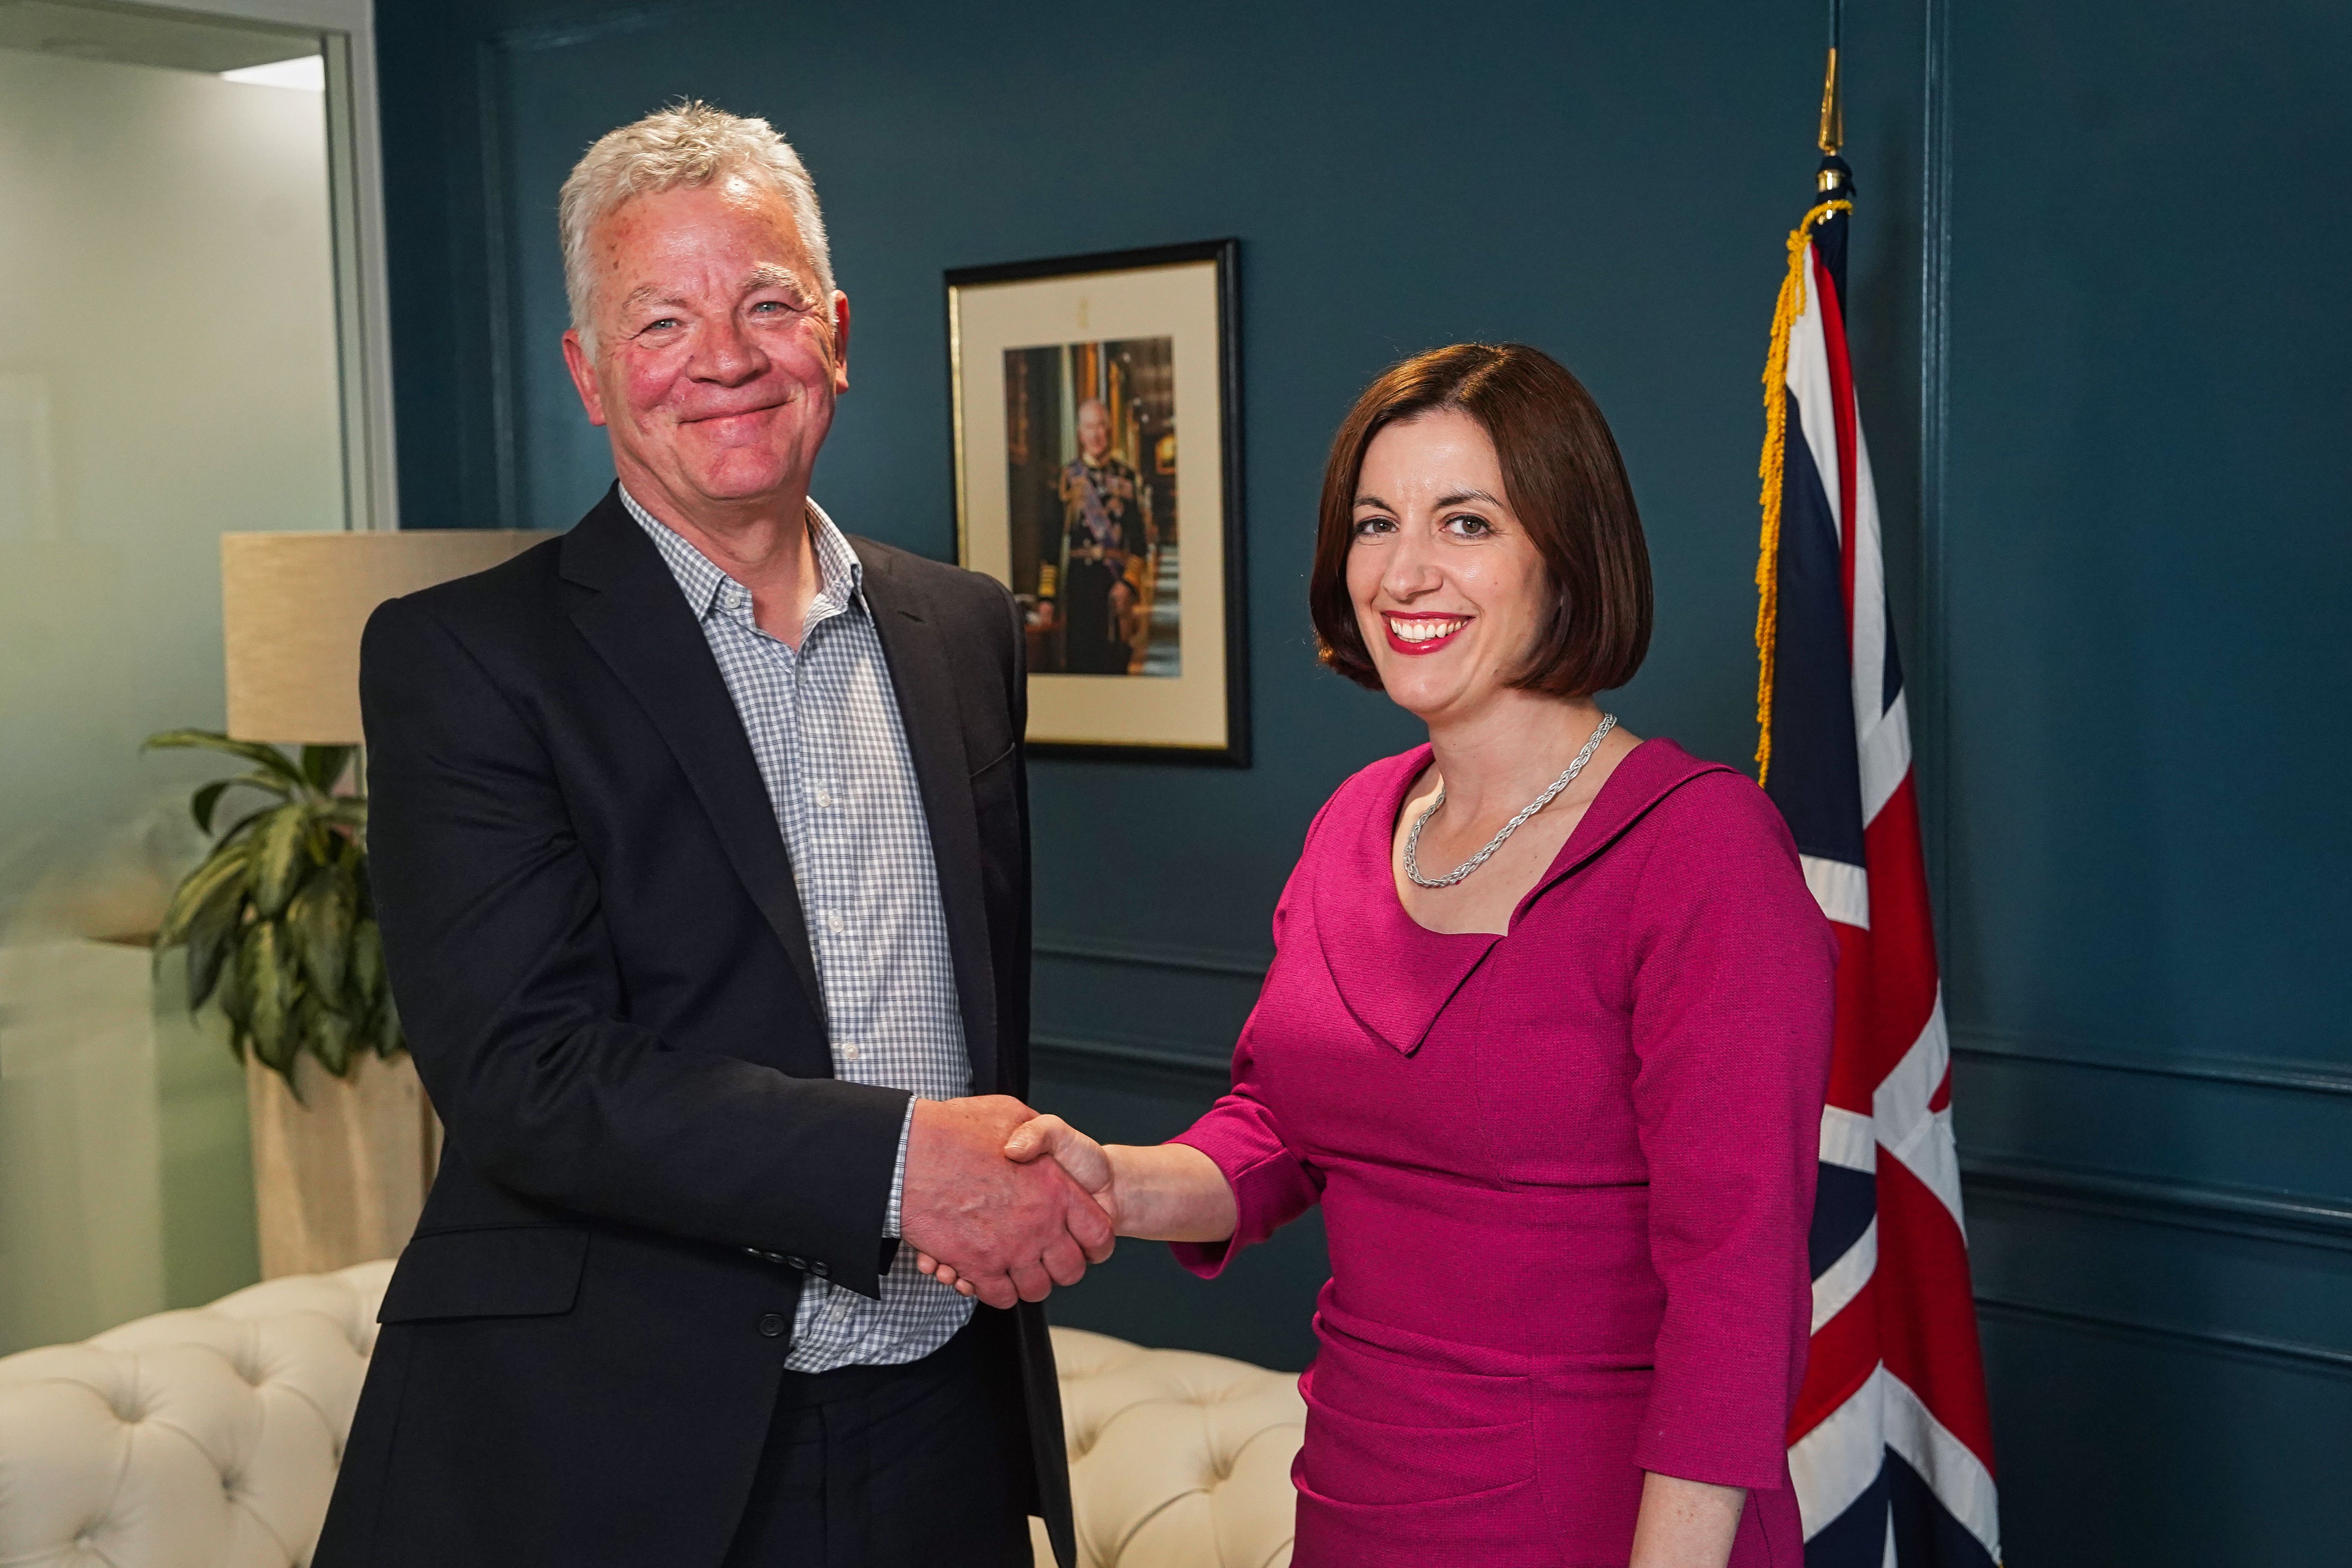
[{"x": 841, "y": 575}]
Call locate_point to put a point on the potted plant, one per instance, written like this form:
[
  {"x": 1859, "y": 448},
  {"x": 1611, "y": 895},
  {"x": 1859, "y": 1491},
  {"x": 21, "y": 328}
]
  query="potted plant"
[
  {"x": 278, "y": 921},
  {"x": 279, "y": 929}
]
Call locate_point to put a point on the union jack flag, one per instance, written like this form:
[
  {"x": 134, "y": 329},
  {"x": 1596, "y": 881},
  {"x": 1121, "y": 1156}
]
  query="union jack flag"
[{"x": 1891, "y": 1444}]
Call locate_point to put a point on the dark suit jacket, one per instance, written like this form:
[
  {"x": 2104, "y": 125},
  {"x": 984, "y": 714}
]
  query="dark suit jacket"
[{"x": 598, "y": 953}]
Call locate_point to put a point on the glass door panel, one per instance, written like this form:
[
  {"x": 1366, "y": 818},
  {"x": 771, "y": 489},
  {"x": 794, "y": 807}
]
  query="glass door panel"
[{"x": 169, "y": 371}]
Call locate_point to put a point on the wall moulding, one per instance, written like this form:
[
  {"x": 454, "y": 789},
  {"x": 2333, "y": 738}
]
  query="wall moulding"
[
  {"x": 1097, "y": 1058},
  {"x": 1197, "y": 961},
  {"x": 2293, "y": 1354},
  {"x": 2294, "y": 1218},
  {"x": 2255, "y": 1072}
]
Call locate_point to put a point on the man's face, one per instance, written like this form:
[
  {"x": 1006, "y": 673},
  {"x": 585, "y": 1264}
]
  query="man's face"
[
  {"x": 716, "y": 365},
  {"x": 1094, "y": 430}
]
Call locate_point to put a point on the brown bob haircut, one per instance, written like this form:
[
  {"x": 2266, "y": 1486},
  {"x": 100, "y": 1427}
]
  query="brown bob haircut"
[{"x": 1561, "y": 475}]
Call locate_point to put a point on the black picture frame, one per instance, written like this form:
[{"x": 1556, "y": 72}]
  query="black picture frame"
[{"x": 970, "y": 468}]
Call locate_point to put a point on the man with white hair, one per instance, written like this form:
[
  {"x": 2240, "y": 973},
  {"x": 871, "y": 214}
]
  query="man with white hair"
[{"x": 700, "y": 849}]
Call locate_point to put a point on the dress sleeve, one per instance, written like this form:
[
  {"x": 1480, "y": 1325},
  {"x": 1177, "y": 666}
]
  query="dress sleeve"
[
  {"x": 1274, "y": 1183},
  {"x": 1733, "y": 970}
]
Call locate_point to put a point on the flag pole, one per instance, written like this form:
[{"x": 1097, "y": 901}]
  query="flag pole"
[
  {"x": 1832, "y": 130},
  {"x": 1833, "y": 136}
]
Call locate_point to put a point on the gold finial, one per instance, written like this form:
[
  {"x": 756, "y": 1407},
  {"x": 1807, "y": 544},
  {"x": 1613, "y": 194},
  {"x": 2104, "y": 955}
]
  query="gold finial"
[{"x": 1832, "y": 111}]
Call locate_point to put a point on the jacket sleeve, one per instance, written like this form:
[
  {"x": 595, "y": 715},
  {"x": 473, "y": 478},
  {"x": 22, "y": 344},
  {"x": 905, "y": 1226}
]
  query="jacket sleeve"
[
  {"x": 1274, "y": 1183},
  {"x": 500, "y": 958},
  {"x": 1732, "y": 994}
]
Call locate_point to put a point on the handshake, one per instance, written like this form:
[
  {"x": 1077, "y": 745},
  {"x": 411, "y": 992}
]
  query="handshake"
[{"x": 1001, "y": 1202}]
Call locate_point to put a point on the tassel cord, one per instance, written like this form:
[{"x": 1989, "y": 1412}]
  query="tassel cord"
[{"x": 1772, "y": 470}]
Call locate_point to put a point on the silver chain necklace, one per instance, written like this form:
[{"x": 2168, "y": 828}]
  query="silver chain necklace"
[{"x": 1412, "y": 840}]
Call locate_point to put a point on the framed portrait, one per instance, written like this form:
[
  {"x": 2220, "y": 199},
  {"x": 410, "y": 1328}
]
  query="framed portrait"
[{"x": 1097, "y": 475}]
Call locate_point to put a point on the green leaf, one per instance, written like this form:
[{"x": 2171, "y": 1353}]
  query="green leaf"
[
  {"x": 322, "y": 765},
  {"x": 279, "y": 865},
  {"x": 236, "y": 829},
  {"x": 211, "y": 939},
  {"x": 366, "y": 966},
  {"x": 269, "y": 758},
  {"x": 321, "y": 918},
  {"x": 234, "y": 996},
  {"x": 267, "y": 971},
  {"x": 327, "y": 1033},
  {"x": 225, "y": 867},
  {"x": 201, "y": 803},
  {"x": 207, "y": 799},
  {"x": 388, "y": 1040},
  {"x": 279, "y": 1060}
]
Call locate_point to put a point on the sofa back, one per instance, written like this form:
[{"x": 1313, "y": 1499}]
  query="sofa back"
[{"x": 209, "y": 1439}]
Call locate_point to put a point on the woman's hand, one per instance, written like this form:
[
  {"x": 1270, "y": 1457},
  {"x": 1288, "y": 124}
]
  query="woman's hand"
[{"x": 1086, "y": 1162}]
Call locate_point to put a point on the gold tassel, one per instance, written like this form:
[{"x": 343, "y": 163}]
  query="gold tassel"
[{"x": 1771, "y": 467}]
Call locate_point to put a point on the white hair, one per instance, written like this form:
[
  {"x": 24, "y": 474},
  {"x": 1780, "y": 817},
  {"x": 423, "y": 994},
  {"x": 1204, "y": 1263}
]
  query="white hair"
[{"x": 689, "y": 144}]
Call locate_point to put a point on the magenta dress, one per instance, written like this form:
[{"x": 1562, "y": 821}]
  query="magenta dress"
[{"x": 1567, "y": 1175}]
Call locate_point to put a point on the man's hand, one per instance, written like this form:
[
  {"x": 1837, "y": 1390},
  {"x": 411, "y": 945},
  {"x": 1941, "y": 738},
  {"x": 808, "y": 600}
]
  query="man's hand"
[
  {"x": 1079, "y": 1156},
  {"x": 1011, "y": 1231}
]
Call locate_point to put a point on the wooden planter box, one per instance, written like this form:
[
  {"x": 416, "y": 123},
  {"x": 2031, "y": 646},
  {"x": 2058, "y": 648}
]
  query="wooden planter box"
[{"x": 339, "y": 1175}]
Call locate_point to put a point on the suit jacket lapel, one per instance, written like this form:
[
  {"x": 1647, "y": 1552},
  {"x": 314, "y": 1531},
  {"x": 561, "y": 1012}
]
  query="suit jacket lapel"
[
  {"x": 641, "y": 625},
  {"x": 925, "y": 685}
]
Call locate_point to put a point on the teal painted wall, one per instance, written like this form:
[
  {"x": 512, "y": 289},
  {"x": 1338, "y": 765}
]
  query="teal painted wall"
[
  {"x": 2142, "y": 565},
  {"x": 2103, "y": 364}
]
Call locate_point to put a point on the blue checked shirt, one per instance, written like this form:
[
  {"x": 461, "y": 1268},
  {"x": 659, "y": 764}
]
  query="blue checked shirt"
[{"x": 823, "y": 724}]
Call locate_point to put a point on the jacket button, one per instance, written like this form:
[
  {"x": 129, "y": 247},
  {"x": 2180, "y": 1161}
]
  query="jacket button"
[{"x": 772, "y": 1324}]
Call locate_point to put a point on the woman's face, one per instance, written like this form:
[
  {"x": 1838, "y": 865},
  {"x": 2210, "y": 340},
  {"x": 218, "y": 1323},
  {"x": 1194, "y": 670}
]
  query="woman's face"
[{"x": 1449, "y": 590}]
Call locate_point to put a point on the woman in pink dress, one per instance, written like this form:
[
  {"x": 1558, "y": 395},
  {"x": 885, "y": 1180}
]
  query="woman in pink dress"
[{"x": 1546, "y": 1034}]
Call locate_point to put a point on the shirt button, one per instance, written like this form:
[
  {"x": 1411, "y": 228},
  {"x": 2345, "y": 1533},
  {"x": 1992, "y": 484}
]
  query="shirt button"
[
  {"x": 771, "y": 1325},
  {"x": 833, "y": 922},
  {"x": 824, "y": 797},
  {"x": 849, "y": 1053}
]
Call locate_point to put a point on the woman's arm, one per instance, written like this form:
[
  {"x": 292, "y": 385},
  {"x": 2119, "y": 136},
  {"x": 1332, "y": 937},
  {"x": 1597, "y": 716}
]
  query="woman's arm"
[
  {"x": 1732, "y": 989},
  {"x": 1165, "y": 1192},
  {"x": 1685, "y": 1524}
]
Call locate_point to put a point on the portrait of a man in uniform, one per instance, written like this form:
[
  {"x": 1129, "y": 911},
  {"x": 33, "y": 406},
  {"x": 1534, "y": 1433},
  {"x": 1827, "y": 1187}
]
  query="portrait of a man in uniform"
[
  {"x": 1099, "y": 541},
  {"x": 1090, "y": 441}
]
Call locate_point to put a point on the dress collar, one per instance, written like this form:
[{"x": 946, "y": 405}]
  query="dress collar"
[{"x": 1394, "y": 973}]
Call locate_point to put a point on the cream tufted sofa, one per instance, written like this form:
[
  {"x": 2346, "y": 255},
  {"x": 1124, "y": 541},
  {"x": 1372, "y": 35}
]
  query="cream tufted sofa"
[{"x": 209, "y": 1439}]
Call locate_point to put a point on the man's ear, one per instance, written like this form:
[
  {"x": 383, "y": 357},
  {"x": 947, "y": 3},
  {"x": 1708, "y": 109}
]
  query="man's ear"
[
  {"x": 840, "y": 342},
  {"x": 584, "y": 375}
]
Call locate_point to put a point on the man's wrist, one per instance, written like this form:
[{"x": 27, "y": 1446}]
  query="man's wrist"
[{"x": 890, "y": 1216}]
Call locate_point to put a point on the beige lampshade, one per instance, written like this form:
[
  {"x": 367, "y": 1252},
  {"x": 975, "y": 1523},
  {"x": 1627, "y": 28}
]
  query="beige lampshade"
[{"x": 292, "y": 605}]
